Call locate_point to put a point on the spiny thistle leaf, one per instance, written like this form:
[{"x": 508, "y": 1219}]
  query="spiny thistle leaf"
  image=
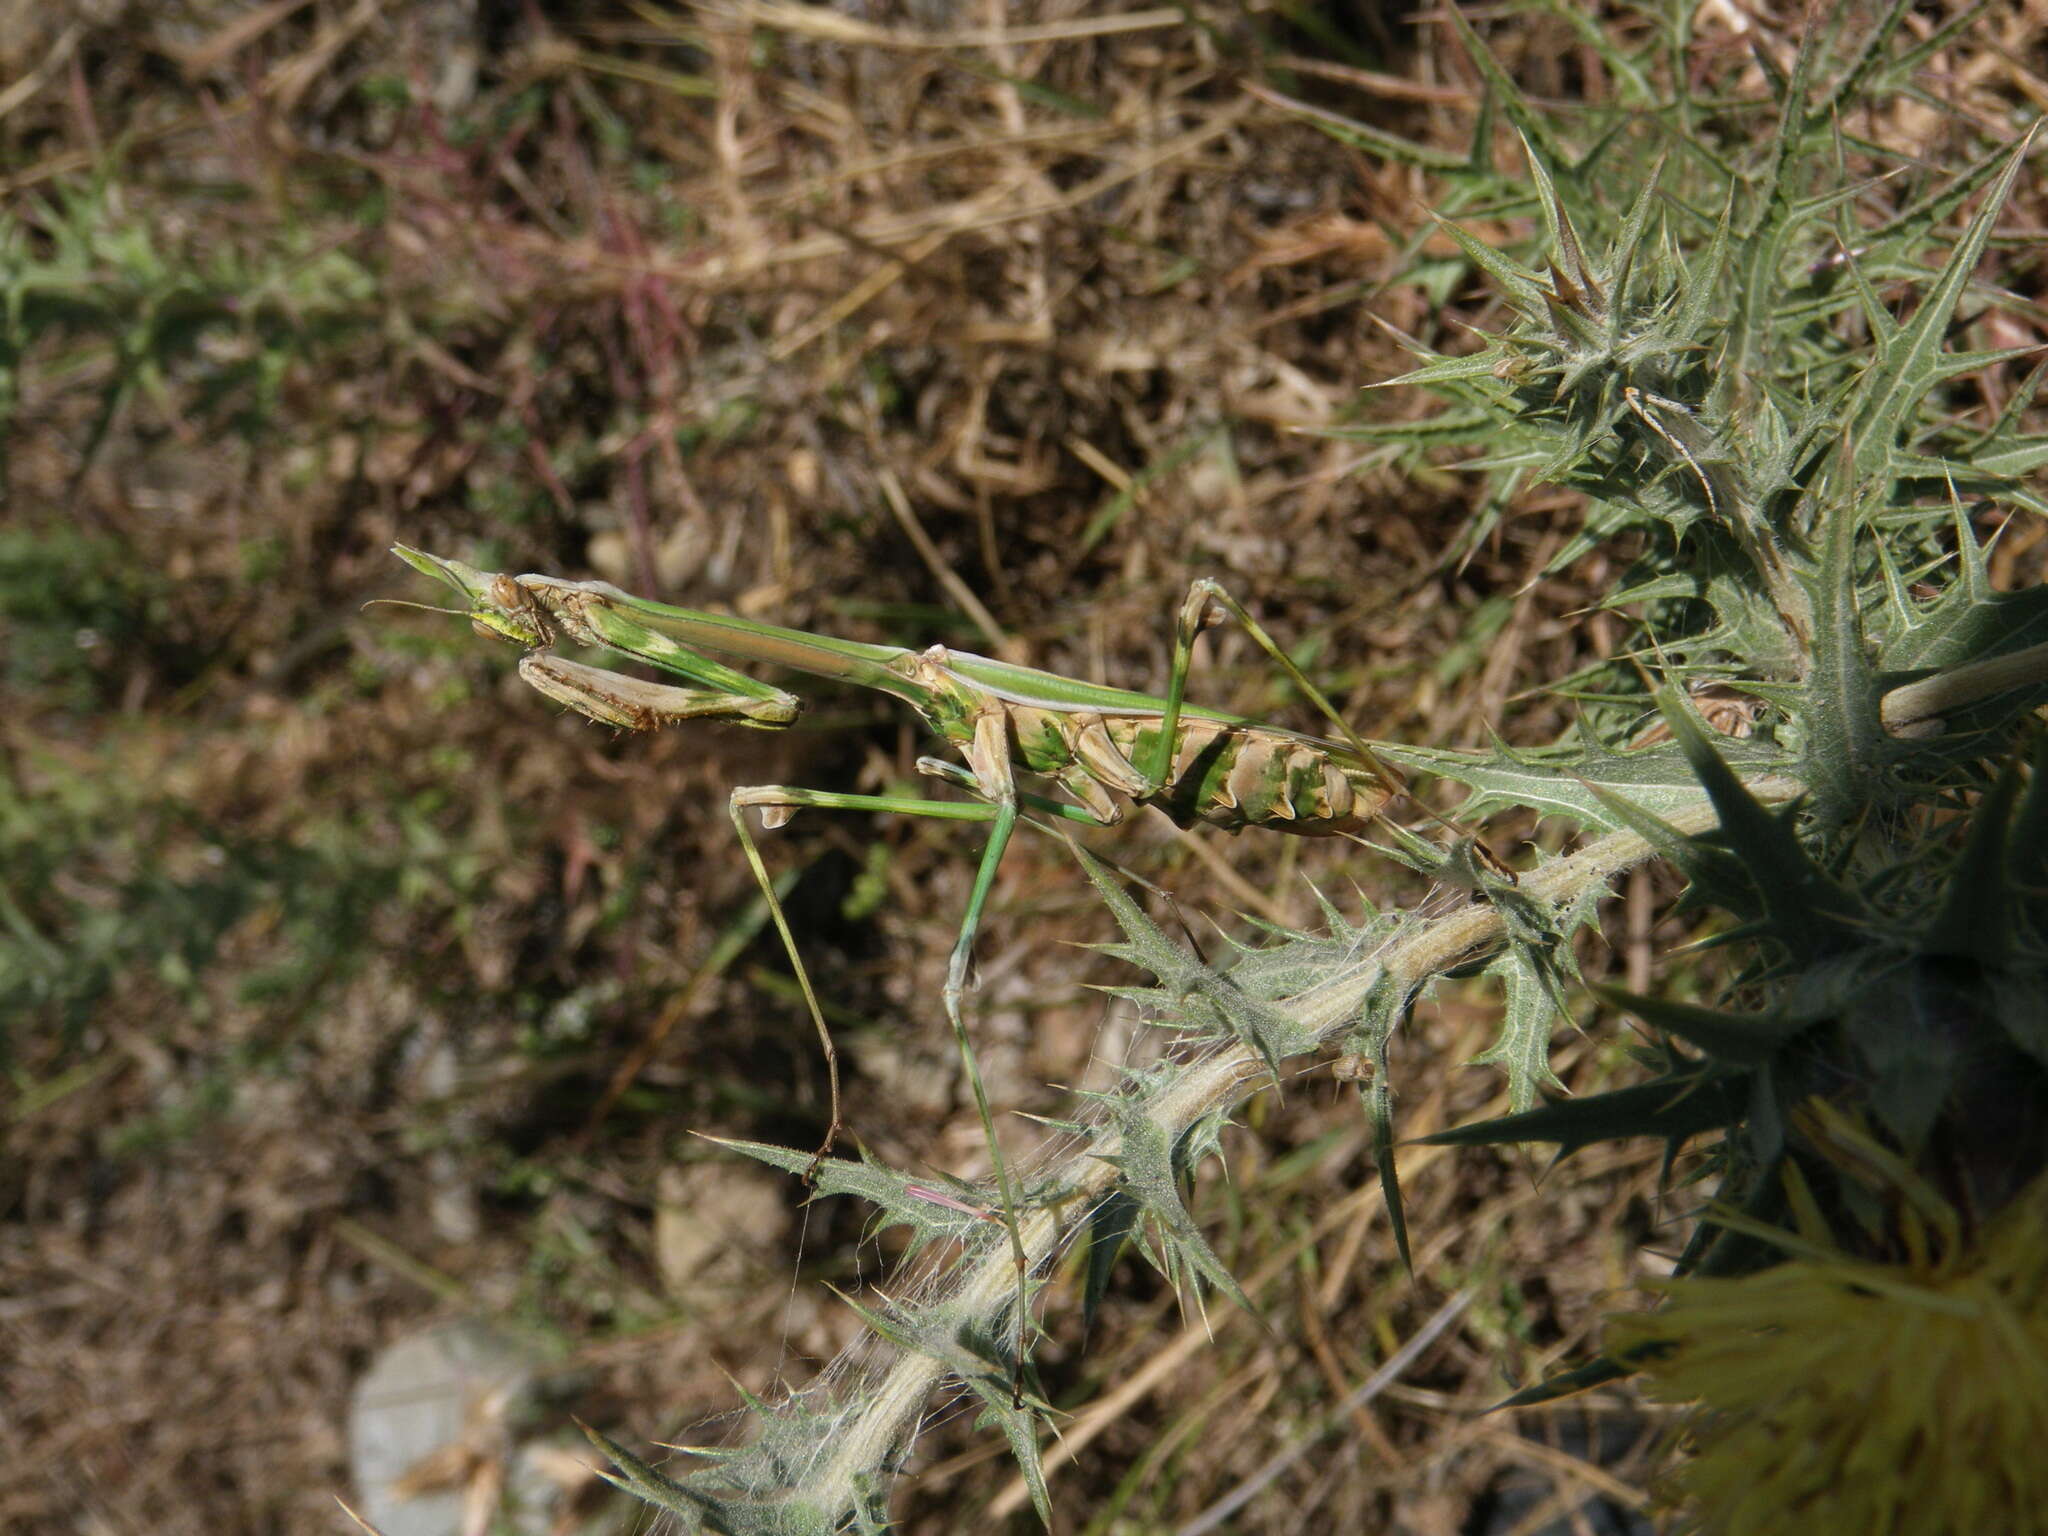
[
  {"x": 1522, "y": 1049},
  {"x": 1673, "y": 1108},
  {"x": 1743, "y": 1040},
  {"x": 702, "y": 1510},
  {"x": 1146, "y": 944},
  {"x": 1275, "y": 973},
  {"x": 1478, "y": 367},
  {"x": 1597, "y": 1372},
  {"x": 1385, "y": 1007},
  {"x": 1847, "y": 749},
  {"x": 1892, "y": 243},
  {"x": 965, "y": 1345},
  {"x": 1110, "y": 1228},
  {"x": 2027, "y": 852},
  {"x": 1019, "y": 1426},
  {"x": 1376, "y": 141},
  {"x": 1193, "y": 995},
  {"x": 1714, "y": 875},
  {"x": 1152, "y": 1163},
  {"x": 637, "y": 1477},
  {"x": 1569, "y": 781},
  {"x": 1913, "y": 1030},
  {"x": 896, "y": 1195},
  {"x": 1976, "y": 919},
  {"x": 2014, "y": 1002},
  {"x": 1378, "y": 1097},
  {"x": 1907, "y": 362},
  {"x": 1505, "y": 95},
  {"x": 1806, "y": 908}
]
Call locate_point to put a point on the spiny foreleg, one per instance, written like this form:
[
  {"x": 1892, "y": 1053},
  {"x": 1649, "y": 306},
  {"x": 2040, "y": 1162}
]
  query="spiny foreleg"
[{"x": 632, "y": 704}]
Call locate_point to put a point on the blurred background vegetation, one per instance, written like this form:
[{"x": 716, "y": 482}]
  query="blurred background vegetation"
[{"x": 346, "y": 987}]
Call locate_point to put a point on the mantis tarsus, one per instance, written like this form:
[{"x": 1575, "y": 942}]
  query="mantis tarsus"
[{"x": 1106, "y": 748}]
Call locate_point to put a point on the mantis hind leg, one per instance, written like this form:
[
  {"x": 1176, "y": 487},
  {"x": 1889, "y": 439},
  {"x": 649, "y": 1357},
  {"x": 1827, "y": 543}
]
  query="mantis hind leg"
[{"x": 1194, "y": 612}]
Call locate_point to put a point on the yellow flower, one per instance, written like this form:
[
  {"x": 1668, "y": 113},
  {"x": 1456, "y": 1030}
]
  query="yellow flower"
[{"x": 1833, "y": 1393}]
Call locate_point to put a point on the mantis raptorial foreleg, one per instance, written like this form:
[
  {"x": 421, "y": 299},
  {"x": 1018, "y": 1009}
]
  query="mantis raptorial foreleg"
[{"x": 630, "y": 704}]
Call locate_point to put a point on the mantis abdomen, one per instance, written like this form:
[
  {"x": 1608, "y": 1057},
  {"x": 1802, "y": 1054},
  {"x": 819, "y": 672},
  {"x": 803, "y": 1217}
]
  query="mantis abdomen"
[{"x": 1226, "y": 774}]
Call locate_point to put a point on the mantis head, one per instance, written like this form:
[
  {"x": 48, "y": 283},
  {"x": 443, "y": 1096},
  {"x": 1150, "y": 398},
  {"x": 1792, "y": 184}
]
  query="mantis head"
[{"x": 498, "y": 605}]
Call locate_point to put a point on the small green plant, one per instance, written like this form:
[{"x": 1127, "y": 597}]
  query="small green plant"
[
  {"x": 1748, "y": 367},
  {"x": 68, "y": 602},
  {"x": 90, "y": 286}
]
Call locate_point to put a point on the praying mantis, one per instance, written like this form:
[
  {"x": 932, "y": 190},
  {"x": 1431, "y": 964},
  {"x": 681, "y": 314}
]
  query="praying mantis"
[{"x": 1106, "y": 748}]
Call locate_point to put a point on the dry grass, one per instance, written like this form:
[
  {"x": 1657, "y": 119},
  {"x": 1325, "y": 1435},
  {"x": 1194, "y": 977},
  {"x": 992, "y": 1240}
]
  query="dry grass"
[{"x": 985, "y": 325}]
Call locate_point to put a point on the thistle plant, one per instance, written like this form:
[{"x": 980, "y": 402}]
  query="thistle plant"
[{"x": 1747, "y": 363}]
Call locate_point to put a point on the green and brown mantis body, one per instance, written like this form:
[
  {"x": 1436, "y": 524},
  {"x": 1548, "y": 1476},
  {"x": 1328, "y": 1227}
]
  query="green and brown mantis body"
[{"x": 1106, "y": 748}]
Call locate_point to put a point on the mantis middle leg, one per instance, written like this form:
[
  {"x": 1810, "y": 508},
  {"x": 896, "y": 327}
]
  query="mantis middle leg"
[
  {"x": 989, "y": 774},
  {"x": 1193, "y": 611}
]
